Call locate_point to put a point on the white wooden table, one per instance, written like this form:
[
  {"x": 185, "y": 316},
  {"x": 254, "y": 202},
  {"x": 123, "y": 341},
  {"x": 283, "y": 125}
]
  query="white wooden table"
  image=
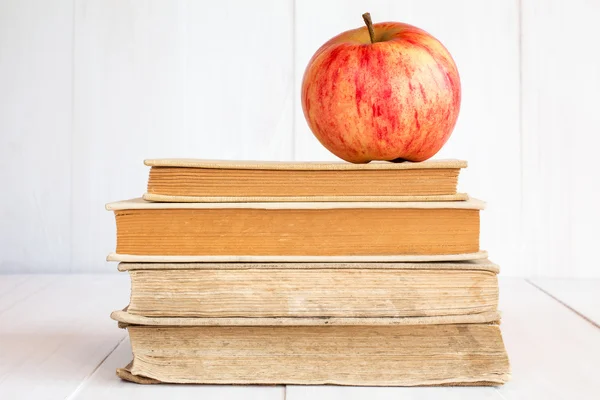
[{"x": 57, "y": 342}]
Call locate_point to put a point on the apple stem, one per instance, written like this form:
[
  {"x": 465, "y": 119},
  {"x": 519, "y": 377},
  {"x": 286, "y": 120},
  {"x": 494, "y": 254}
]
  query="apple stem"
[{"x": 369, "y": 23}]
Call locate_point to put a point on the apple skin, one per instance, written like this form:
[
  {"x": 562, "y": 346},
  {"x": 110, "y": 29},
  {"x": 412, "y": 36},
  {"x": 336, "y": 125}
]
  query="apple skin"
[{"x": 395, "y": 99}]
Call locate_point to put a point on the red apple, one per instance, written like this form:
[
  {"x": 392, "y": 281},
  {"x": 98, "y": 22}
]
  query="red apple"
[{"x": 388, "y": 91}]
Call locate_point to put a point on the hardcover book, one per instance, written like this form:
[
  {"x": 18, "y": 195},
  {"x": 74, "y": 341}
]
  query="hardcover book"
[
  {"x": 454, "y": 350},
  {"x": 312, "y": 289},
  {"x": 326, "y": 231},
  {"x": 189, "y": 180}
]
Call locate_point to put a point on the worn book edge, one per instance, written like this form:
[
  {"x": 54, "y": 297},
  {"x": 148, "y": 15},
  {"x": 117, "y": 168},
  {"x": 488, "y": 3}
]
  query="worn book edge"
[
  {"x": 307, "y": 258},
  {"x": 305, "y": 166},
  {"x": 477, "y": 265},
  {"x": 125, "y": 319},
  {"x": 141, "y": 204},
  {"x": 126, "y": 375},
  {"x": 299, "y": 199}
]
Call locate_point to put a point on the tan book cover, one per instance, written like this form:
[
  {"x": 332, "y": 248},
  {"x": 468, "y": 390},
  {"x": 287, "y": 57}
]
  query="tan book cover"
[
  {"x": 312, "y": 289},
  {"x": 190, "y": 180},
  {"x": 466, "y": 350},
  {"x": 328, "y": 231}
]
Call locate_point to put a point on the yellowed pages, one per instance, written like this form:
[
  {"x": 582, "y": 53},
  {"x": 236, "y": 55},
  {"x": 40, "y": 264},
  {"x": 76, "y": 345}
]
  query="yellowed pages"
[
  {"x": 311, "y": 292},
  {"x": 310, "y": 230},
  {"x": 189, "y": 180},
  {"x": 370, "y": 355}
]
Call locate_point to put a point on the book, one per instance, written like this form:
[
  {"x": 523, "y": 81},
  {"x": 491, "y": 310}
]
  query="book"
[
  {"x": 189, "y": 180},
  {"x": 350, "y": 231},
  {"x": 465, "y": 350},
  {"x": 312, "y": 289}
]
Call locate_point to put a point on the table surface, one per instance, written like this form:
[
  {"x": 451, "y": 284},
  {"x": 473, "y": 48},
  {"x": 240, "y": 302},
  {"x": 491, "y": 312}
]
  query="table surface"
[{"x": 58, "y": 342}]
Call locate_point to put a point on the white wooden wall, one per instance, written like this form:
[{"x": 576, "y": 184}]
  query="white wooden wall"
[{"x": 89, "y": 88}]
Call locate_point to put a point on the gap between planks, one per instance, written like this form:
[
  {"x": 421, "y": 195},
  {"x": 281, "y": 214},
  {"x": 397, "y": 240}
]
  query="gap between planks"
[
  {"x": 73, "y": 395},
  {"x": 568, "y": 307}
]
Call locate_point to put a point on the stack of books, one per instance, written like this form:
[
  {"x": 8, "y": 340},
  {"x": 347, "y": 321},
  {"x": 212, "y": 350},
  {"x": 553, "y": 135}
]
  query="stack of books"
[{"x": 308, "y": 273}]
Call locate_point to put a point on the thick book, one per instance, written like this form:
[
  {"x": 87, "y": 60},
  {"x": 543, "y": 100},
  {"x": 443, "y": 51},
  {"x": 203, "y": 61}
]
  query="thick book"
[
  {"x": 190, "y": 180},
  {"x": 312, "y": 289},
  {"x": 465, "y": 350},
  {"x": 317, "y": 231}
]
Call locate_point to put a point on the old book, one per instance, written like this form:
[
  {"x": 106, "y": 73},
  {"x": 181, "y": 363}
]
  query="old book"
[
  {"x": 466, "y": 350},
  {"x": 312, "y": 289},
  {"x": 371, "y": 231},
  {"x": 188, "y": 180}
]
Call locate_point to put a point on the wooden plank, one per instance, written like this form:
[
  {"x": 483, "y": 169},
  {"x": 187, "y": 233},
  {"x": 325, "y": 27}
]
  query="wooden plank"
[
  {"x": 381, "y": 393},
  {"x": 171, "y": 79},
  {"x": 553, "y": 352},
  {"x": 560, "y": 85},
  {"x": 104, "y": 384},
  {"x": 8, "y": 283},
  {"x": 487, "y": 132},
  {"x": 22, "y": 287},
  {"x": 582, "y": 295},
  {"x": 35, "y": 134},
  {"x": 55, "y": 337}
]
